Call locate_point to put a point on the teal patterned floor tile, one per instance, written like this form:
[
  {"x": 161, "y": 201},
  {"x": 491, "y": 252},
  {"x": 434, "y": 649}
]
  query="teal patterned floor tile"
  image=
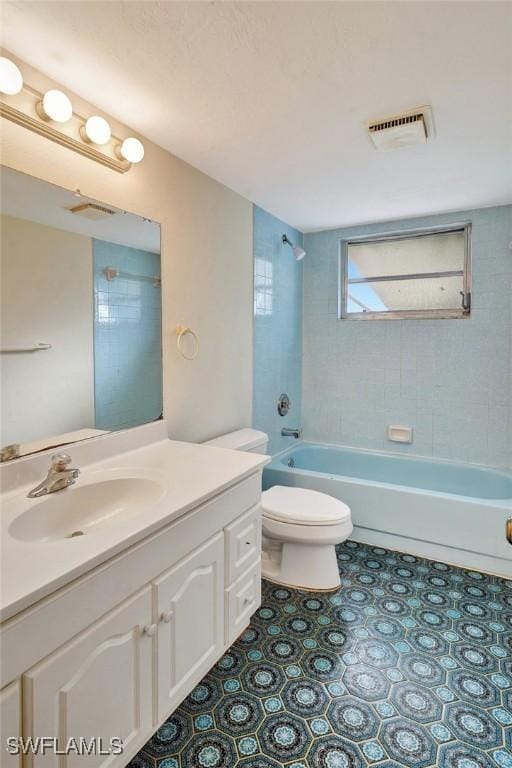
[
  {"x": 247, "y": 745},
  {"x": 319, "y": 726},
  {"x": 373, "y": 751},
  {"x": 503, "y": 758},
  {"x": 440, "y": 732},
  {"x": 502, "y": 716},
  {"x": 203, "y": 722},
  {"x": 230, "y": 686},
  {"x": 168, "y": 762},
  {"x": 409, "y": 663},
  {"x": 273, "y": 704}
]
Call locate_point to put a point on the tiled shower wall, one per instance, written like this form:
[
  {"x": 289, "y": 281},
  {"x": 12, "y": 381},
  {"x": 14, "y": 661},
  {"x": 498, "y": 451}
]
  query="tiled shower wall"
[
  {"x": 127, "y": 338},
  {"x": 277, "y": 327},
  {"x": 451, "y": 380}
]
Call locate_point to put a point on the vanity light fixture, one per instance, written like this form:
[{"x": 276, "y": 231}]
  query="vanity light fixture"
[
  {"x": 55, "y": 106},
  {"x": 11, "y": 79},
  {"x": 96, "y": 130},
  {"x": 131, "y": 149},
  {"x": 51, "y": 115}
]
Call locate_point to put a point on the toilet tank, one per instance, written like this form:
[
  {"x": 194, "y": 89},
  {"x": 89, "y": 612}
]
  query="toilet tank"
[{"x": 249, "y": 440}]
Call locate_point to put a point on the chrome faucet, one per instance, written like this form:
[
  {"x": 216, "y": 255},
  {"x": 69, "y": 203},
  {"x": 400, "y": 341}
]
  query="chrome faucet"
[
  {"x": 59, "y": 476},
  {"x": 296, "y": 433}
]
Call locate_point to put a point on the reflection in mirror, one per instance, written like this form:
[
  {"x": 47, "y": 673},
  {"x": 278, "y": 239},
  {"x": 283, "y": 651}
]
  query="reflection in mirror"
[{"x": 80, "y": 317}]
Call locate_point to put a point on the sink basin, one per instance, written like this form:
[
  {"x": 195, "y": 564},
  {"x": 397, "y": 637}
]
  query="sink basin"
[{"x": 81, "y": 509}]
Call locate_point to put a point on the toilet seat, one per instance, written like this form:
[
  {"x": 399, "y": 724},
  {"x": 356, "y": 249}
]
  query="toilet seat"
[{"x": 302, "y": 506}]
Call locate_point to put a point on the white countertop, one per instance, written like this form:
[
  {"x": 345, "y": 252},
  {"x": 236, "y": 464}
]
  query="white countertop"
[{"x": 189, "y": 474}]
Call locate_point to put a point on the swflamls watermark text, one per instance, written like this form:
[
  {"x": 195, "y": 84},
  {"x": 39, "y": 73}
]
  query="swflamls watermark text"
[{"x": 75, "y": 745}]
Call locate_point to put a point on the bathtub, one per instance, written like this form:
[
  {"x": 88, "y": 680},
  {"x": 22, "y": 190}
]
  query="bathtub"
[{"x": 436, "y": 509}]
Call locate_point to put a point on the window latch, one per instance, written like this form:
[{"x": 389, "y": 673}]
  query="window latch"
[{"x": 465, "y": 302}]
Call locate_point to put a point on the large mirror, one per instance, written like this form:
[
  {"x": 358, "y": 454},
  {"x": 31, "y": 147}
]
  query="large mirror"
[{"x": 81, "y": 341}]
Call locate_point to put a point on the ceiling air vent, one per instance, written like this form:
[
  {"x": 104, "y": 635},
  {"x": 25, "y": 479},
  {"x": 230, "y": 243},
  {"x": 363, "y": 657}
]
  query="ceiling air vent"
[
  {"x": 404, "y": 130},
  {"x": 92, "y": 211}
]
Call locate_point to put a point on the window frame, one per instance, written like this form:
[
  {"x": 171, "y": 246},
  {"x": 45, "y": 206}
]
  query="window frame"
[{"x": 411, "y": 314}]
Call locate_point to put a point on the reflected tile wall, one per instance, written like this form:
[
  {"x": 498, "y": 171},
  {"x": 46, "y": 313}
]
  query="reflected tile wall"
[
  {"x": 451, "y": 380},
  {"x": 127, "y": 338},
  {"x": 277, "y": 327}
]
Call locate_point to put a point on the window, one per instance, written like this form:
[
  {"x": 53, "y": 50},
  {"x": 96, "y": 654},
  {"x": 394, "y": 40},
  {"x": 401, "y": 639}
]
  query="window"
[{"x": 422, "y": 274}]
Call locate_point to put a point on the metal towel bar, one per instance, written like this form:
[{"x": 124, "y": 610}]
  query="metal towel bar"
[
  {"x": 17, "y": 350},
  {"x": 111, "y": 273}
]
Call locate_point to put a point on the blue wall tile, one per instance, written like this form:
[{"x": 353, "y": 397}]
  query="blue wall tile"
[
  {"x": 127, "y": 338},
  {"x": 277, "y": 327},
  {"x": 451, "y": 380}
]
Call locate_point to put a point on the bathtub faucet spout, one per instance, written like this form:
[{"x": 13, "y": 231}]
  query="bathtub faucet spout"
[{"x": 296, "y": 433}]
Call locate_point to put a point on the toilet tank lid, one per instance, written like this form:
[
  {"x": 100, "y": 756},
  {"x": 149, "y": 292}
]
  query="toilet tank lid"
[{"x": 241, "y": 440}]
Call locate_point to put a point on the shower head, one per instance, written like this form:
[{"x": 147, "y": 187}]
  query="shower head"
[{"x": 298, "y": 252}]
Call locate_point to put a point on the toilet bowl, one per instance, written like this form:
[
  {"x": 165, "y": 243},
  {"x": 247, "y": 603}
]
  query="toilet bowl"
[
  {"x": 300, "y": 531},
  {"x": 300, "y": 527}
]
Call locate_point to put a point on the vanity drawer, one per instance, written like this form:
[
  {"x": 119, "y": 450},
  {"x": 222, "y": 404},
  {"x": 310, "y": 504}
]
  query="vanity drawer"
[
  {"x": 243, "y": 543},
  {"x": 242, "y": 599}
]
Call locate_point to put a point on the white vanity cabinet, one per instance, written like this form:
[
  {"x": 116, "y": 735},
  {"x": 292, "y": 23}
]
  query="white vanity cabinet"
[
  {"x": 189, "y": 599},
  {"x": 113, "y": 653}
]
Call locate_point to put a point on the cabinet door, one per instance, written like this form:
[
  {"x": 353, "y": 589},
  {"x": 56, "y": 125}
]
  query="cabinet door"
[
  {"x": 190, "y": 601},
  {"x": 10, "y": 724},
  {"x": 98, "y": 685}
]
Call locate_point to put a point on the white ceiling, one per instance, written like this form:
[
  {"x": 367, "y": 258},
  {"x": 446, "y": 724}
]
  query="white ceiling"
[
  {"x": 31, "y": 199},
  {"x": 272, "y": 98}
]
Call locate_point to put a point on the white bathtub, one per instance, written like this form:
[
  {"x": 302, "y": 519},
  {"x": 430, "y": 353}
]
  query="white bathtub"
[{"x": 435, "y": 509}]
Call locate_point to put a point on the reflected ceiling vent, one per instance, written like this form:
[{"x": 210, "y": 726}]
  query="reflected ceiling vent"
[
  {"x": 403, "y": 130},
  {"x": 92, "y": 211}
]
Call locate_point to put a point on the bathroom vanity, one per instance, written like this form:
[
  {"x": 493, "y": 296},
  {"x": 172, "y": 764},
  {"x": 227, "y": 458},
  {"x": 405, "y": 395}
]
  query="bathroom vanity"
[
  {"x": 113, "y": 610},
  {"x": 119, "y": 592}
]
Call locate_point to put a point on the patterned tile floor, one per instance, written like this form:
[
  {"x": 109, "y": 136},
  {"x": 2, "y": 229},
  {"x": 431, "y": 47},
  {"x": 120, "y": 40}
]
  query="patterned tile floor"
[{"x": 408, "y": 664}]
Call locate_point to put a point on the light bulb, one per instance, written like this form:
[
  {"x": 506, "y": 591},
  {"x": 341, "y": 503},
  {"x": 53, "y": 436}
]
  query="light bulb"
[
  {"x": 97, "y": 130},
  {"x": 56, "y": 106},
  {"x": 11, "y": 80},
  {"x": 132, "y": 150}
]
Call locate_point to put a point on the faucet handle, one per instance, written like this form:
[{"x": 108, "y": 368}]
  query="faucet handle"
[{"x": 60, "y": 461}]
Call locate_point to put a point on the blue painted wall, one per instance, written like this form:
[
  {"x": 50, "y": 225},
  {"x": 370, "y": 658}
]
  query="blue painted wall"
[
  {"x": 451, "y": 380},
  {"x": 127, "y": 338},
  {"x": 277, "y": 327}
]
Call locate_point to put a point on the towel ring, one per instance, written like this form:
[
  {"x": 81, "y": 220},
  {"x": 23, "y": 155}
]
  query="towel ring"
[{"x": 181, "y": 331}]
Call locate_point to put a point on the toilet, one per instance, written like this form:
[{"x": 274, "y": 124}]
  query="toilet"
[{"x": 301, "y": 527}]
